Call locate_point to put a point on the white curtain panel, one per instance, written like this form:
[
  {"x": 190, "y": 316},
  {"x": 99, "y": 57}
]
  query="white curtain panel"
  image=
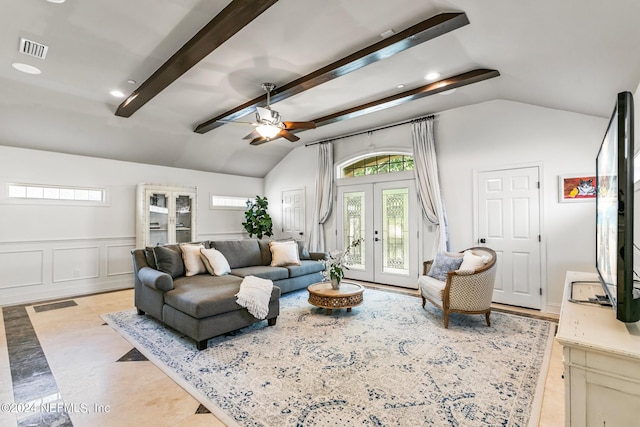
[
  {"x": 427, "y": 182},
  {"x": 324, "y": 196}
]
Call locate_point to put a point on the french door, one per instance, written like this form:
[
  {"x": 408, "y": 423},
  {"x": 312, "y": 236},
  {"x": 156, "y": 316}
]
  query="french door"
[{"x": 385, "y": 215}]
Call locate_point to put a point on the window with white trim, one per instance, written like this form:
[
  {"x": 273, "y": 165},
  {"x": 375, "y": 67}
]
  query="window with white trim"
[
  {"x": 229, "y": 202},
  {"x": 55, "y": 194},
  {"x": 378, "y": 164}
]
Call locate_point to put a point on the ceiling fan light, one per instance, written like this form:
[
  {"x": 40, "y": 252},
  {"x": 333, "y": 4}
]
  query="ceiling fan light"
[{"x": 268, "y": 131}]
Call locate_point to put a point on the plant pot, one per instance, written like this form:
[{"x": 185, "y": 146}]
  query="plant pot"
[{"x": 335, "y": 284}]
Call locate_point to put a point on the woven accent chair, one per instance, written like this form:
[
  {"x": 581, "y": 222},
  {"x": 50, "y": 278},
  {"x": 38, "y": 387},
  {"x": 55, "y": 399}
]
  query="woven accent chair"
[{"x": 468, "y": 292}]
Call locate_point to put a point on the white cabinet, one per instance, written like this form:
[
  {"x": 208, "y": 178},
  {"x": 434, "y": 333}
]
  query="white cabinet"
[
  {"x": 165, "y": 215},
  {"x": 601, "y": 361}
]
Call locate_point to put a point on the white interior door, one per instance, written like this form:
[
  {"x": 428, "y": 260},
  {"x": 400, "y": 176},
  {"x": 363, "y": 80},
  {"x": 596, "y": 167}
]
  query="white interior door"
[
  {"x": 508, "y": 215},
  {"x": 384, "y": 214},
  {"x": 293, "y": 213}
]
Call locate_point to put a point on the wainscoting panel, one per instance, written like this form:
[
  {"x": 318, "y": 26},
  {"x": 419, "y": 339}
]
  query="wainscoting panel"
[
  {"x": 119, "y": 259},
  {"x": 21, "y": 268},
  {"x": 32, "y": 271},
  {"x": 76, "y": 263}
]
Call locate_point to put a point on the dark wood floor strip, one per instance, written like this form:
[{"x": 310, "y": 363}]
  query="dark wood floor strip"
[
  {"x": 32, "y": 380},
  {"x": 133, "y": 355},
  {"x": 54, "y": 306}
]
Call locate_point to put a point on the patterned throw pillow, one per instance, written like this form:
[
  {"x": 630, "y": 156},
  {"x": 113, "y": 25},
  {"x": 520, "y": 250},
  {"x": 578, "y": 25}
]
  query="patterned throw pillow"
[{"x": 443, "y": 264}]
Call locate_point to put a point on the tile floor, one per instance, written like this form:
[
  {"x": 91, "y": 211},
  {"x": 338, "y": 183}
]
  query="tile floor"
[{"x": 85, "y": 374}]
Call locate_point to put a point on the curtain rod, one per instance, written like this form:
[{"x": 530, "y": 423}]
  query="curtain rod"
[{"x": 370, "y": 130}]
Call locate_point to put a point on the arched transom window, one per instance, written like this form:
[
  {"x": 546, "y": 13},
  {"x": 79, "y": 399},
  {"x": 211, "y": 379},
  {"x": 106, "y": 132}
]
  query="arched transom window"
[{"x": 378, "y": 164}]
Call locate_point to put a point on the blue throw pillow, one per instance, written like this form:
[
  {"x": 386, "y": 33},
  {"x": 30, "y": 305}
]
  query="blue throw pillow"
[{"x": 442, "y": 265}]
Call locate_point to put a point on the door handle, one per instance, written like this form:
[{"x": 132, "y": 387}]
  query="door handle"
[
  {"x": 301, "y": 233},
  {"x": 483, "y": 240},
  {"x": 375, "y": 239}
]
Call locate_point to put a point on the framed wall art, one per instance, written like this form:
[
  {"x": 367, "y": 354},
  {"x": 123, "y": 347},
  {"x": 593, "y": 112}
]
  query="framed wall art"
[{"x": 577, "y": 188}]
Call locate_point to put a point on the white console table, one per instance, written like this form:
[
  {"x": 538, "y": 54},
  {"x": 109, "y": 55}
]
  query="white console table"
[{"x": 601, "y": 363}]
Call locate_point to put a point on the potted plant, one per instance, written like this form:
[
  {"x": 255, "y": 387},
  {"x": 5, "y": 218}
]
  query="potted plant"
[
  {"x": 337, "y": 262},
  {"x": 257, "y": 220}
]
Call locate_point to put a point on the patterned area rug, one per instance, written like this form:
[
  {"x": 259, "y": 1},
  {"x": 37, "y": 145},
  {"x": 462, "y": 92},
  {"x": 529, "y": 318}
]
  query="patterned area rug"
[{"x": 387, "y": 363}]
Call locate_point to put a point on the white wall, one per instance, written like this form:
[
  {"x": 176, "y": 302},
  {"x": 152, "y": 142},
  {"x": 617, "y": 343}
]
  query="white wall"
[
  {"x": 484, "y": 136},
  {"x": 503, "y": 133},
  {"x": 296, "y": 170},
  {"x": 55, "y": 251}
]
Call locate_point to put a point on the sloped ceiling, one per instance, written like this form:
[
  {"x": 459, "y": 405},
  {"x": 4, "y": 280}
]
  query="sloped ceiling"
[{"x": 571, "y": 55}]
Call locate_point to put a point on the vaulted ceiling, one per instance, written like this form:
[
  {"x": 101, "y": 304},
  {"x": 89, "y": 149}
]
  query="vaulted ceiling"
[{"x": 572, "y": 55}]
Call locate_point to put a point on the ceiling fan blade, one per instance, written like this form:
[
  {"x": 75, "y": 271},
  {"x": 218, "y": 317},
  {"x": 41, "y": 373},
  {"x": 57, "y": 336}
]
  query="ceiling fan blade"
[
  {"x": 299, "y": 125},
  {"x": 287, "y": 135},
  {"x": 253, "y": 135},
  {"x": 235, "y": 122},
  {"x": 259, "y": 141}
]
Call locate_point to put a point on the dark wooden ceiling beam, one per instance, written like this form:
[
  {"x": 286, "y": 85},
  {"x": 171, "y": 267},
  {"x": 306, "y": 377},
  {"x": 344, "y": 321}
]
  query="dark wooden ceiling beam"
[
  {"x": 228, "y": 22},
  {"x": 444, "y": 85},
  {"x": 412, "y": 36}
]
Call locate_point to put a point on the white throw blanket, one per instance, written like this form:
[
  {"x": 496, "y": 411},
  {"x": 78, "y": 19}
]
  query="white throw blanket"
[{"x": 254, "y": 295}]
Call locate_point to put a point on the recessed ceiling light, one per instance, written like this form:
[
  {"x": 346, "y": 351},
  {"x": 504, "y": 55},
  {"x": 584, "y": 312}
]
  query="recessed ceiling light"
[
  {"x": 131, "y": 81},
  {"x": 116, "y": 93},
  {"x": 25, "y": 68},
  {"x": 432, "y": 76},
  {"x": 447, "y": 92},
  {"x": 387, "y": 34},
  {"x": 56, "y": 1},
  {"x": 400, "y": 86}
]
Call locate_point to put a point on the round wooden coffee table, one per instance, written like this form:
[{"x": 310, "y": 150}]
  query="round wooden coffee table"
[{"x": 322, "y": 295}]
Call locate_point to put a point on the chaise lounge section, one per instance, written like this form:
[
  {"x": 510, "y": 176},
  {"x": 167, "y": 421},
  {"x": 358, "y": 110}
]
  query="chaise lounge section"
[{"x": 203, "y": 306}]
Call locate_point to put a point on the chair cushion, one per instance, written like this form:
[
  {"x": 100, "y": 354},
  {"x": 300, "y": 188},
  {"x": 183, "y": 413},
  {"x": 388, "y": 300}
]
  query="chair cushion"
[
  {"x": 431, "y": 288},
  {"x": 443, "y": 264}
]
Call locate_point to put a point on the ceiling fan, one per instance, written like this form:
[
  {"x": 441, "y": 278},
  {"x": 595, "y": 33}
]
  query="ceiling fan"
[{"x": 270, "y": 125}]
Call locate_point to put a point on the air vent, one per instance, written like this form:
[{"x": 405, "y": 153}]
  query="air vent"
[{"x": 32, "y": 48}]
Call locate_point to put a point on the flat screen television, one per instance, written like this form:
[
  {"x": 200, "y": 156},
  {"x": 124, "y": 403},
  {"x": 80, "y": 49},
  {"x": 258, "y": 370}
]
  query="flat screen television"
[{"x": 614, "y": 212}]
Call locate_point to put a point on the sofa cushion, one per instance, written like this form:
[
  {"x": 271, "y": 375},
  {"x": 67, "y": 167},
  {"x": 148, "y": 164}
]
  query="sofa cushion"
[
  {"x": 262, "y": 271},
  {"x": 203, "y": 295},
  {"x": 304, "y": 252},
  {"x": 239, "y": 253},
  {"x": 284, "y": 253},
  {"x": 265, "y": 251},
  {"x": 169, "y": 260},
  {"x": 215, "y": 263},
  {"x": 305, "y": 267}
]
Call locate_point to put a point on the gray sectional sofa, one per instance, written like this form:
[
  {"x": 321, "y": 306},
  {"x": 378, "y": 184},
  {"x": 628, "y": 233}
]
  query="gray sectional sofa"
[{"x": 204, "y": 306}]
